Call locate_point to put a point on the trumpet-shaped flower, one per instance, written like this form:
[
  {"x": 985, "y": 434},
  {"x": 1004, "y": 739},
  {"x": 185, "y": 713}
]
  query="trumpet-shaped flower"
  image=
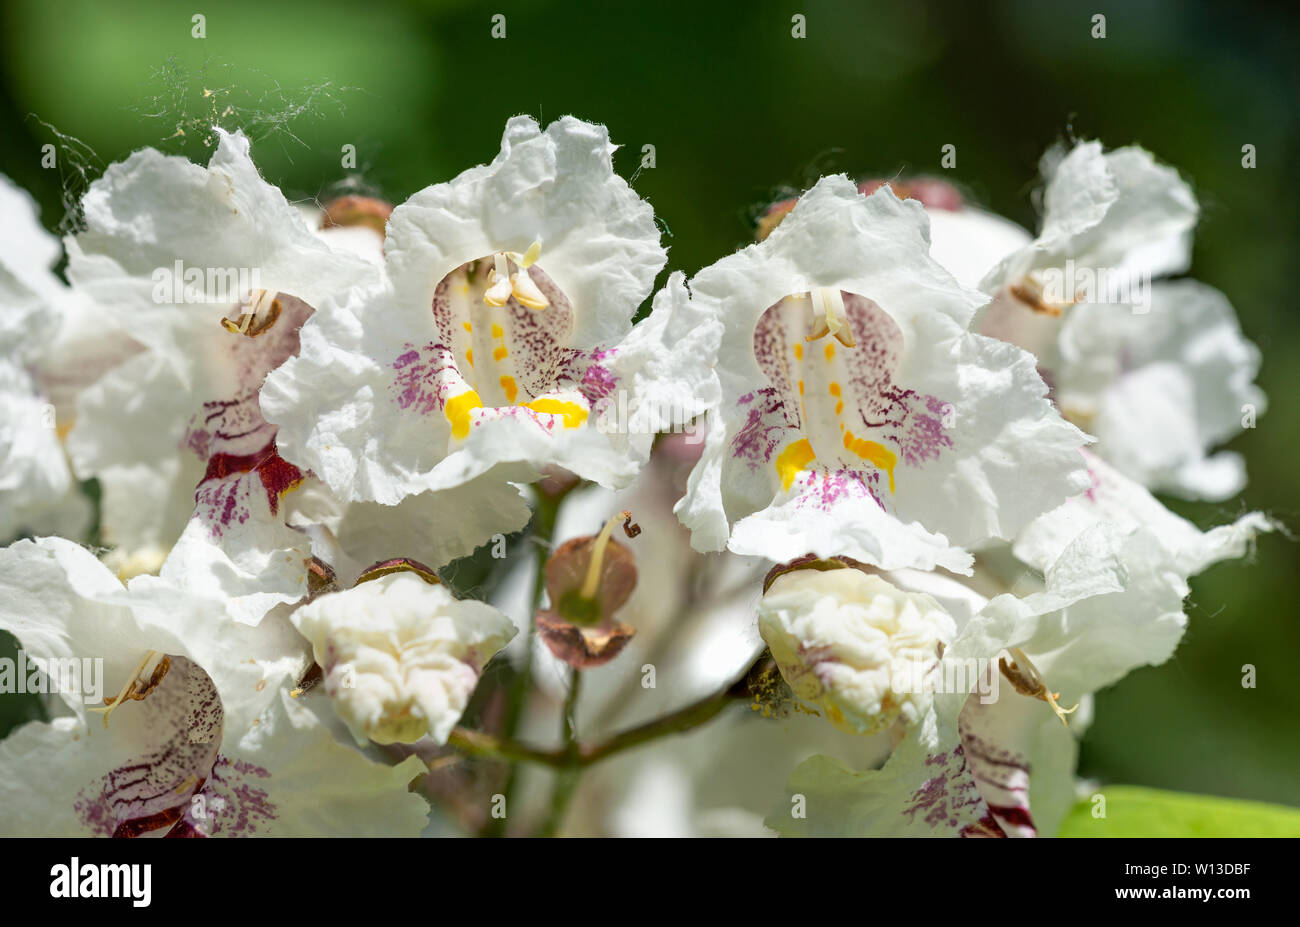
[
  {"x": 1158, "y": 371},
  {"x": 972, "y": 753},
  {"x": 213, "y": 272},
  {"x": 858, "y": 415},
  {"x": 172, "y": 721},
  {"x": 216, "y": 273},
  {"x": 51, "y": 345},
  {"x": 502, "y": 339}
]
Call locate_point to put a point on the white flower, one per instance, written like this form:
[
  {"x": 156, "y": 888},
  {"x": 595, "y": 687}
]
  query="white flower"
[
  {"x": 172, "y": 249},
  {"x": 500, "y": 341},
  {"x": 189, "y": 467},
  {"x": 858, "y": 416},
  {"x": 968, "y": 241},
  {"x": 401, "y": 656},
  {"x": 1159, "y": 372},
  {"x": 843, "y": 640},
  {"x": 1160, "y": 388},
  {"x": 46, "y": 355},
  {"x": 198, "y": 733},
  {"x": 1114, "y": 575},
  {"x": 978, "y": 788}
]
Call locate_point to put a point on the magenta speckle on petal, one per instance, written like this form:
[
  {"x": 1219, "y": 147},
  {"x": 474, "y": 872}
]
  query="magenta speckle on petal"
[
  {"x": 765, "y": 424},
  {"x": 422, "y": 378},
  {"x": 950, "y": 800}
]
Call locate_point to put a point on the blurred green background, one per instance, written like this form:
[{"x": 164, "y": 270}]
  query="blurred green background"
[{"x": 737, "y": 110}]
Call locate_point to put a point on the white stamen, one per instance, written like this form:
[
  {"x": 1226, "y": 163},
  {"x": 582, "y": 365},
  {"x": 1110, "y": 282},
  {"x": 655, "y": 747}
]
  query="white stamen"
[
  {"x": 829, "y": 316},
  {"x": 527, "y": 293},
  {"x": 498, "y": 292},
  {"x": 503, "y": 284}
]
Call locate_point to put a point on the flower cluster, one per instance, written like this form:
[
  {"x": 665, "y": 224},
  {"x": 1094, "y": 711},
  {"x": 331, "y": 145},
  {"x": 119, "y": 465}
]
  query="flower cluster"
[{"x": 886, "y": 474}]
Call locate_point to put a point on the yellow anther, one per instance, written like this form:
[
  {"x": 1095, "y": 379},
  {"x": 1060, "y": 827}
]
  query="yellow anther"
[
  {"x": 498, "y": 291},
  {"x": 502, "y": 284},
  {"x": 527, "y": 293},
  {"x": 1027, "y": 680},
  {"x": 531, "y": 255},
  {"x": 1029, "y": 292},
  {"x": 259, "y": 315},
  {"x": 829, "y": 317},
  {"x": 135, "y": 687}
]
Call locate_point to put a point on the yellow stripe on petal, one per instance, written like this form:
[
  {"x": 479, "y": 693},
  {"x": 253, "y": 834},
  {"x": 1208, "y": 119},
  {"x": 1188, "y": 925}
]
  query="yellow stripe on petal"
[
  {"x": 574, "y": 414},
  {"x": 458, "y": 410},
  {"x": 793, "y": 459},
  {"x": 510, "y": 388},
  {"x": 877, "y": 454}
]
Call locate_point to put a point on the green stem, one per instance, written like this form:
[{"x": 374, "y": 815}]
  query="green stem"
[
  {"x": 575, "y": 756},
  {"x": 566, "y": 777},
  {"x": 543, "y": 528},
  {"x": 479, "y": 743},
  {"x": 684, "y": 719}
]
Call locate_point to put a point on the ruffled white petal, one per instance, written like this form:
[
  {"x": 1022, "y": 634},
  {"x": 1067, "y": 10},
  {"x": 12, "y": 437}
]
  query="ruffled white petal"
[
  {"x": 1159, "y": 387},
  {"x": 1128, "y": 507},
  {"x": 152, "y": 426},
  {"x": 600, "y": 243},
  {"x": 1117, "y": 209}
]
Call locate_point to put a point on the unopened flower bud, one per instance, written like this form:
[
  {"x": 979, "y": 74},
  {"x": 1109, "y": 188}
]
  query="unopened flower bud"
[
  {"x": 400, "y": 655},
  {"x": 353, "y": 211},
  {"x": 847, "y": 641}
]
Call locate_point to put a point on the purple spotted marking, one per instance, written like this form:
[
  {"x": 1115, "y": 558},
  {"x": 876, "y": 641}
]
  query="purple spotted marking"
[
  {"x": 424, "y": 377},
  {"x": 598, "y": 381},
  {"x": 231, "y": 422},
  {"x": 236, "y": 804},
  {"x": 1000, "y": 771},
  {"x": 909, "y": 423},
  {"x": 542, "y": 363},
  {"x": 765, "y": 428},
  {"x": 184, "y": 715},
  {"x": 950, "y": 800},
  {"x": 921, "y": 436},
  {"x": 823, "y": 489}
]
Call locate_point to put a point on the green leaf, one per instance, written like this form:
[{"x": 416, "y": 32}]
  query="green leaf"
[{"x": 1131, "y": 811}]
